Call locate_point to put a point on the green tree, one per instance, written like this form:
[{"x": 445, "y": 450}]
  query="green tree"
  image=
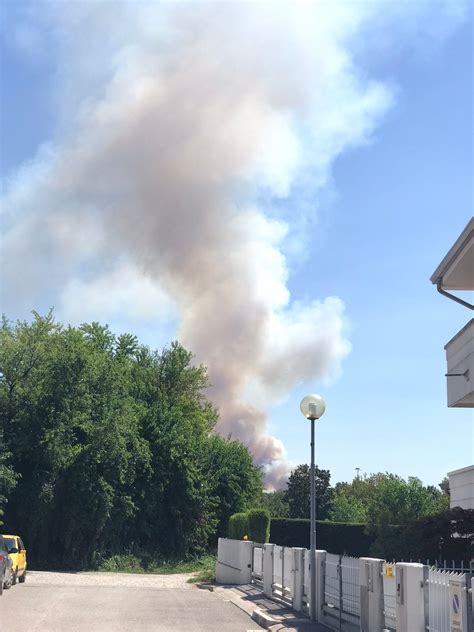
[
  {"x": 347, "y": 506},
  {"x": 298, "y": 492},
  {"x": 112, "y": 446},
  {"x": 7, "y": 476},
  {"x": 234, "y": 481},
  {"x": 276, "y": 503}
]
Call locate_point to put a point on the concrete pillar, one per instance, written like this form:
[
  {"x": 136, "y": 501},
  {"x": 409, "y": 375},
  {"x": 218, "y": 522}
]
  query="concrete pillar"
[
  {"x": 268, "y": 569},
  {"x": 412, "y": 597},
  {"x": 234, "y": 561},
  {"x": 298, "y": 578},
  {"x": 320, "y": 582},
  {"x": 371, "y": 594}
]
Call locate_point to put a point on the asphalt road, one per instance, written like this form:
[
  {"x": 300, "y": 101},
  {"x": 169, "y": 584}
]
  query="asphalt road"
[{"x": 93, "y": 602}]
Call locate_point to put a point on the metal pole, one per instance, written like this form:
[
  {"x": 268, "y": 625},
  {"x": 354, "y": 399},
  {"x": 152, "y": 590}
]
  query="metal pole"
[{"x": 312, "y": 592}]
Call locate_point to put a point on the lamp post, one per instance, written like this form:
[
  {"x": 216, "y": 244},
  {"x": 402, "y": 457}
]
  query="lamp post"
[{"x": 312, "y": 407}]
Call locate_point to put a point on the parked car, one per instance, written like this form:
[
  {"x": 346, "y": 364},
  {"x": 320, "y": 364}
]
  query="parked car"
[
  {"x": 6, "y": 566},
  {"x": 17, "y": 554}
]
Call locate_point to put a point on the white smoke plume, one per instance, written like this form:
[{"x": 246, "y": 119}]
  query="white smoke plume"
[{"x": 178, "y": 128}]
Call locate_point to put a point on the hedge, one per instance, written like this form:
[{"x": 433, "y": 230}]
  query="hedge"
[
  {"x": 335, "y": 537},
  {"x": 448, "y": 535},
  {"x": 259, "y": 525},
  {"x": 238, "y": 526}
]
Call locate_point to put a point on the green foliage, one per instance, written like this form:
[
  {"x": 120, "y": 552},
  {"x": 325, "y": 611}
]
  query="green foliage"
[
  {"x": 383, "y": 499},
  {"x": 298, "y": 492},
  {"x": 276, "y": 503},
  {"x": 258, "y": 525},
  {"x": 238, "y": 526},
  {"x": 347, "y": 506},
  {"x": 111, "y": 447},
  {"x": 235, "y": 483},
  {"x": 447, "y": 535},
  {"x": 7, "y": 476},
  {"x": 335, "y": 537},
  {"x": 142, "y": 562}
]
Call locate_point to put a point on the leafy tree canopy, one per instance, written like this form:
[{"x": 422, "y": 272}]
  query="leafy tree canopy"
[{"x": 111, "y": 446}]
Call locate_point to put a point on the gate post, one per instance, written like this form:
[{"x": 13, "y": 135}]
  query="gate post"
[
  {"x": 412, "y": 597},
  {"x": 320, "y": 582},
  {"x": 371, "y": 594},
  {"x": 268, "y": 569},
  {"x": 460, "y": 613},
  {"x": 298, "y": 578},
  {"x": 234, "y": 562}
]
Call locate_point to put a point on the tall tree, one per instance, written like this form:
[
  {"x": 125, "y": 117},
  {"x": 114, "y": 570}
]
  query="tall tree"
[
  {"x": 113, "y": 445},
  {"x": 298, "y": 492},
  {"x": 276, "y": 503}
]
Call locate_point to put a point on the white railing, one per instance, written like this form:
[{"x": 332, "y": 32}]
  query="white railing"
[
  {"x": 353, "y": 594},
  {"x": 350, "y": 585},
  {"x": 283, "y": 573},
  {"x": 439, "y": 598}
]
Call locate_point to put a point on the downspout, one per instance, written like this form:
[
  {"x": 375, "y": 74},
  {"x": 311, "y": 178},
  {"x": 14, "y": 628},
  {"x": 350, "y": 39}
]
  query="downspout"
[{"x": 439, "y": 286}]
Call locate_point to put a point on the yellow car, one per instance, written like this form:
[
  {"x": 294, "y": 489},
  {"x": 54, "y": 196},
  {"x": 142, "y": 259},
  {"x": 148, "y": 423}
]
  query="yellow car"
[{"x": 17, "y": 554}]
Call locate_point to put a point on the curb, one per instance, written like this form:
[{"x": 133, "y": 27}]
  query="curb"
[{"x": 263, "y": 619}]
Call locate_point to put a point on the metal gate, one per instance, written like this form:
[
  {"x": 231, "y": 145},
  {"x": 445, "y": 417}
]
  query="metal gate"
[
  {"x": 341, "y": 605},
  {"x": 283, "y": 584},
  {"x": 439, "y": 598},
  {"x": 257, "y": 564}
]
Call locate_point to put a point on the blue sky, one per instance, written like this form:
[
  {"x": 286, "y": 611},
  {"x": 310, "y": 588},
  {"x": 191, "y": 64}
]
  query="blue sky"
[{"x": 392, "y": 201}]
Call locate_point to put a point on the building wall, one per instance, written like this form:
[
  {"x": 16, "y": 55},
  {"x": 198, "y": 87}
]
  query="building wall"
[{"x": 461, "y": 487}]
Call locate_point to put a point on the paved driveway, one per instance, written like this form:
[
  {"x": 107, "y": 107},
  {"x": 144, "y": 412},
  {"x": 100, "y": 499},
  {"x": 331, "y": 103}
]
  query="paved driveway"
[{"x": 109, "y": 602}]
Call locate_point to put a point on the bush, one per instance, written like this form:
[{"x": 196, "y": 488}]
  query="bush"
[
  {"x": 258, "y": 525},
  {"x": 334, "y": 537},
  {"x": 448, "y": 535},
  {"x": 238, "y": 526}
]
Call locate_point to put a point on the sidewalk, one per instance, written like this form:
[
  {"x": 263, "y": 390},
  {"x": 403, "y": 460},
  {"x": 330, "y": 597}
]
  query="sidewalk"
[{"x": 267, "y": 613}]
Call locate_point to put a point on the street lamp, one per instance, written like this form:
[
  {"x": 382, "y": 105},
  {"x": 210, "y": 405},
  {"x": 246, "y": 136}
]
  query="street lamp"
[{"x": 312, "y": 407}]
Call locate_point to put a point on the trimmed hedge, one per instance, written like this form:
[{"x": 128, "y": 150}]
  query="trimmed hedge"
[
  {"x": 448, "y": 535},
  {"x": 335, "y": 537},
  {"x": 259, "y": 525},
  {"x": 238, "y": 526}
]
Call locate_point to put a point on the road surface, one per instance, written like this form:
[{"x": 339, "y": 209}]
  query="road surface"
[{"x": 116, "y": 602}]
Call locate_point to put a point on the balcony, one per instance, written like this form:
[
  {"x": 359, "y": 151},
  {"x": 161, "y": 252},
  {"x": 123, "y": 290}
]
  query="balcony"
[{"x": 460, "y": 359}]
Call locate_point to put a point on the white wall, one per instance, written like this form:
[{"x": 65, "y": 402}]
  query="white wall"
[
  {"x": 461, "y": 487},
  {"x": 460, "y": 359}
]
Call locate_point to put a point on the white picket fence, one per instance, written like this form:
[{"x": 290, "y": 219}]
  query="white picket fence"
[{"x": 353, "y": 594}]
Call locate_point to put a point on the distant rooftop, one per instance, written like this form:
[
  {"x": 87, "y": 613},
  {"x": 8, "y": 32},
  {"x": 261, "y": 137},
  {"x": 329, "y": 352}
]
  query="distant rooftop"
[{"x": 457, "y": 268}]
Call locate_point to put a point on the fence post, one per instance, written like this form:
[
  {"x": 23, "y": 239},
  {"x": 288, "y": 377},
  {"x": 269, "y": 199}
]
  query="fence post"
[
  {"x": 412, "y": 597},
  {"x": 371, "y": 594},
  {"x": 460, "y": 612},
  {"x": 234, "y": 562},
  {"x": 320, "y": 582},
  {"x": 298, "y": 578},
  {"x": 268, "y": 569}
]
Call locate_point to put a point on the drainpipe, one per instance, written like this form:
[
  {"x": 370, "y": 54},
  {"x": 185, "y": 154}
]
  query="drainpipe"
[{"x": 439, "y": 286}]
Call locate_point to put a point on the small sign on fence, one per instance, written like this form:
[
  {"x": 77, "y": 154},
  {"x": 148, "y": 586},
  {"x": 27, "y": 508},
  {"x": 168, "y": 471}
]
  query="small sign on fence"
[{"x": 456, "y": 596}]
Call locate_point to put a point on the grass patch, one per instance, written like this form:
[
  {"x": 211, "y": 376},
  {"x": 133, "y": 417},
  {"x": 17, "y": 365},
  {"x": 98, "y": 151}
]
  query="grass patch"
[
  {"x": 130, "y": 563},
  {"x": 206, "y": 572}
]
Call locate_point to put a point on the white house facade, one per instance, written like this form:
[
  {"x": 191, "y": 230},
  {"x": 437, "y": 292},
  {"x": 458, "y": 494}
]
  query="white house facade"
[{"x": 455, "y": 273}]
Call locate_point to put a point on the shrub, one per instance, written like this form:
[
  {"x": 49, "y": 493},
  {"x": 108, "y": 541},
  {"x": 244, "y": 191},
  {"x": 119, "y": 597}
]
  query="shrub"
[
  {"x": 335, "y": 537},
  {"x": 258, "y": 525},
  {"x": 238, "y": 526}
]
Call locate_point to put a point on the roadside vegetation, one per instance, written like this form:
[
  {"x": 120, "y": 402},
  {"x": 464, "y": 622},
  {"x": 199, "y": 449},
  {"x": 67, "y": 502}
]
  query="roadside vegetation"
[
  {"x": 204, "y": 566},
  {"x": 109, "y": 446},
  {"x": 109, "y": 458}
]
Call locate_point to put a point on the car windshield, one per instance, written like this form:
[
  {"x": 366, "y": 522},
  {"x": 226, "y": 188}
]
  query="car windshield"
[{"x": 9, "y": 543}]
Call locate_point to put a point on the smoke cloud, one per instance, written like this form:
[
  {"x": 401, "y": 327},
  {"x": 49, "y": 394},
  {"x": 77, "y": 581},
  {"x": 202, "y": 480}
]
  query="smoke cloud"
[{"x": 179, "y": 128}]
